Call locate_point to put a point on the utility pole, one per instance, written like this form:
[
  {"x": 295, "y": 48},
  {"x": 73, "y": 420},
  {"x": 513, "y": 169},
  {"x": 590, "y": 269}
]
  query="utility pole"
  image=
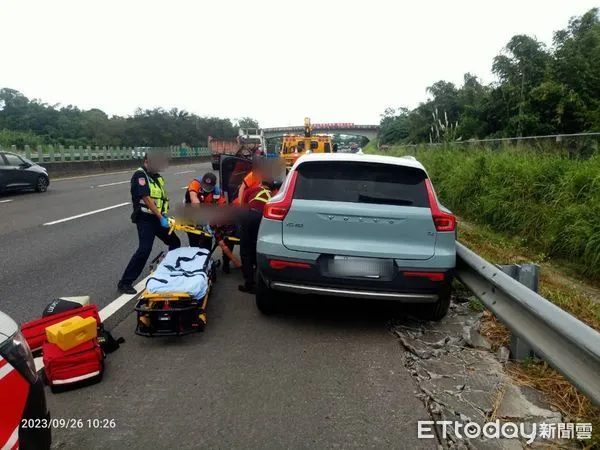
[{"x": 520, "y": 129}]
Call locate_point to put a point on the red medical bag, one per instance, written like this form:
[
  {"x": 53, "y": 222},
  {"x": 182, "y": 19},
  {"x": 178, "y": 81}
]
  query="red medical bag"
[
  {"x": 35, "y": 331},
  {"x": 83, "y": 364}
]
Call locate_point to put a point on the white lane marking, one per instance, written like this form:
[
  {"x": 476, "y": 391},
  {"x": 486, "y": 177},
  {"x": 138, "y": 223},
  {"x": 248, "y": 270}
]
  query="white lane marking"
[
  {"x": 12, "y": 440},
  {"x": 91, "y": 175},
  {"x": 66, "y": 219},
  {"x": 186, "y": 171},
  {"x": 121, "y": 301},
  {"x": 111, "y": 184},
  {"x": 105, "y": 313},
  {"x": 5, "y": 201}
]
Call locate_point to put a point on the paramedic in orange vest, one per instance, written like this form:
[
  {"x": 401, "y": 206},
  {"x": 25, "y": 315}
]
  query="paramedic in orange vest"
[
  {"x": 205, "y": 191},
  {"x": 252, "y": 180}
]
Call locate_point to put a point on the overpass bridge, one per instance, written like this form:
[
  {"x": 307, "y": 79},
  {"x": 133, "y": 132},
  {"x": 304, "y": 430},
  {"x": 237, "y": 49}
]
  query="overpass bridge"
[{"x": 368, "y": 131}]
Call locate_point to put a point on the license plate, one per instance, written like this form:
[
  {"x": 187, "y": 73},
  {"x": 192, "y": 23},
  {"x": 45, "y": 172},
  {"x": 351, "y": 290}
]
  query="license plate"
[{"x": 346, "y": 266}]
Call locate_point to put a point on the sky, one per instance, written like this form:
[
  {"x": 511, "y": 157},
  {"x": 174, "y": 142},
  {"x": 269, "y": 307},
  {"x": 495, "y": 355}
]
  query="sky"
[{"x": 277, "y": 61}]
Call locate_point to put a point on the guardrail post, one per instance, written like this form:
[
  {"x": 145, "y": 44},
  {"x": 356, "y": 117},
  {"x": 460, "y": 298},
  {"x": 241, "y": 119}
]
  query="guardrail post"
[
  {"x": 51, "y": 153},
  {"x": 27, "y": 152},
  {"x": 71, "y": 153},
  {"x": 61, "y": 151},
  {"x": 80, "y": 153},
  {"x": 13, "y": 148},
  {"x": 529, "y": 276},
  {"x": 40, "y": 150}
]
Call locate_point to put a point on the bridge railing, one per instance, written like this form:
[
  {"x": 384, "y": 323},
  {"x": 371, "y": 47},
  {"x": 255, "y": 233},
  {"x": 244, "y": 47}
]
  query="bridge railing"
[{"x": 322, "y": 127}]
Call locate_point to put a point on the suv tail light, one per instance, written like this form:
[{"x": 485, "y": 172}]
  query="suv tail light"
[
  {"x": 433, "y": 276},
  {"x": 443, "y": 221},
  {"x": 278, "y": 207},
  {"x": 280, "y": 265}
]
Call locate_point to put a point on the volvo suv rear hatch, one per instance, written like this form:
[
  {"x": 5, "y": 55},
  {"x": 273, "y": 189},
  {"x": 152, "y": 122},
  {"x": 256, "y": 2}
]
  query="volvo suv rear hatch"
[{"x": 362, "y": 209}]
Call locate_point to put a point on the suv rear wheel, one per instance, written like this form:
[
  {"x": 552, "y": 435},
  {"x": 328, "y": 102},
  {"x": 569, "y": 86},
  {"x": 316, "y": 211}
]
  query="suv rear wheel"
[
  {"x": 438, "y": 310},
  {"x": 265, "y": 298}
]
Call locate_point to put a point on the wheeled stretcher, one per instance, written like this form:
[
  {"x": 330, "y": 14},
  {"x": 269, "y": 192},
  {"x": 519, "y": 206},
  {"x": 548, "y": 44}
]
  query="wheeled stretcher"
[{"x": 176, "y": 295}]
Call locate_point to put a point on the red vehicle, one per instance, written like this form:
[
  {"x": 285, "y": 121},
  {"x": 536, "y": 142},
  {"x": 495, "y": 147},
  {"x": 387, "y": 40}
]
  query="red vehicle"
[
  {"x": 24, "y": 416},
  {"x": 248, "y": 143}
]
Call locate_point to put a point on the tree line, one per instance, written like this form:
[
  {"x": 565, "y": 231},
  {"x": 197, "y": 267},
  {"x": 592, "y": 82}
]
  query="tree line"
[
  {"x": 25, "y": 121},
  {"x": 540, "y": 90}
]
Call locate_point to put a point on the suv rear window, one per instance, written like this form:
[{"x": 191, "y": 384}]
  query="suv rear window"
[{"x": 358, "y": 182}]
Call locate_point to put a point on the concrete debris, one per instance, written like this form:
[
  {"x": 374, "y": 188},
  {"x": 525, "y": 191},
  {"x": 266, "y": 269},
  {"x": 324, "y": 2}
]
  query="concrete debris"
[
  {"x": 473, "y": 339},
  {"x": 503, "y": 354},
  {"x": 463, "y": 381}
]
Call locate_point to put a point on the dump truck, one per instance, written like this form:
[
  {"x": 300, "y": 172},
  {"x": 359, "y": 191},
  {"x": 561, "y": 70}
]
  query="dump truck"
[{"x": 248, "y": 143}]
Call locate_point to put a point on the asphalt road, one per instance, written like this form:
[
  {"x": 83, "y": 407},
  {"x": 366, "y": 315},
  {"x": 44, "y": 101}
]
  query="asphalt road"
[
  {"x": 325, "y": 373},
  {"x": 80, "y": 256}
]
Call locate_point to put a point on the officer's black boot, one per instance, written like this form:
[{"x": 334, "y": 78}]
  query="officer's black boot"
[
  {"x": 126, "y": 288},
  {"x": 247, "y": 287}
]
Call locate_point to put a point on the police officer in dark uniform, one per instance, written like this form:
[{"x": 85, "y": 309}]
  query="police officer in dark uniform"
[{"x": 150, "y": 207}]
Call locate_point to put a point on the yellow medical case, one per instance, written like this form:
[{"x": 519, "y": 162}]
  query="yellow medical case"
[{"x": 72, "y": 332}]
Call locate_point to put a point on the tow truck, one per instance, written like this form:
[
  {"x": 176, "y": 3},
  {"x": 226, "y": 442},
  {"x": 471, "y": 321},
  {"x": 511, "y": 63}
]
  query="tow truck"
[{"x": 294, "y": 145}]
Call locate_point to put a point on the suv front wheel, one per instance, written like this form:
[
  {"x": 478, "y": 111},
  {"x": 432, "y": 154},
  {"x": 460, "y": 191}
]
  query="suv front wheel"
[{"x": 265, "y": 297}]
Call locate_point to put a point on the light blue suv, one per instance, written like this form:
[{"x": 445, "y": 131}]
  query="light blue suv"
[{"x": 356, "y": 225}]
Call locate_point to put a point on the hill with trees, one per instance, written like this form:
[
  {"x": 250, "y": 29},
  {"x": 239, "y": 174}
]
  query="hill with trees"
[
  {"x": 25, "y": 121},
  {"x": 540, "y": 90}
]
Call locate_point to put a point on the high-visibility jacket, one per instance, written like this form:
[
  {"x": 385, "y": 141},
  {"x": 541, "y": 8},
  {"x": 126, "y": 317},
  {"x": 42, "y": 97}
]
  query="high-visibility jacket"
[
  {"x": 157, "y": 193},
  {"x": 214, "y": 197},
  {"x": 260, "y": 199},
  {"x": 264, "y": 195}
]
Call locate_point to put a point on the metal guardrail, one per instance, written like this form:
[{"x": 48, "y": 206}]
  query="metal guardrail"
[
  {"x": 566, "y": 140},
  {"x": 567, "y": 344},
  {"x": 50, "y": 154}
]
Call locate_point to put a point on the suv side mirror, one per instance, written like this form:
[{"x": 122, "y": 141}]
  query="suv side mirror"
[{"x": 25, "y": 165}]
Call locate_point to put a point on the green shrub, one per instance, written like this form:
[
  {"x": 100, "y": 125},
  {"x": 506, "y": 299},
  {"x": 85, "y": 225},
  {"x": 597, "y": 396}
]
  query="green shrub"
[{"x": 550, "y": 201}]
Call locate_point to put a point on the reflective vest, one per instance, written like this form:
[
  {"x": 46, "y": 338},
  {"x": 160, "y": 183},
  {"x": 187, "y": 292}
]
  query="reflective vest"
[
  {"x": 264, "y": 195},
  {"x": 214, "y": 197},
  {"x": 157, "y": 193}
]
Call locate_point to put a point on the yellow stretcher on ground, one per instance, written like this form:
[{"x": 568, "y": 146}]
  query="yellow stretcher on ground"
[{"x": 178, "y": 313}]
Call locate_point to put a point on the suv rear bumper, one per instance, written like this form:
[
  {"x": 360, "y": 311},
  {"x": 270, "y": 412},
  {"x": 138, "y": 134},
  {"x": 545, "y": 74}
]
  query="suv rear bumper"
[
  {"x": 309, "y": 280},
  {"x": 353, "y": 293}
]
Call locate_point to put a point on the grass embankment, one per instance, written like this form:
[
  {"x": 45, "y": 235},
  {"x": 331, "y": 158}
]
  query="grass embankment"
[{"x": 522, "y": 206}]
